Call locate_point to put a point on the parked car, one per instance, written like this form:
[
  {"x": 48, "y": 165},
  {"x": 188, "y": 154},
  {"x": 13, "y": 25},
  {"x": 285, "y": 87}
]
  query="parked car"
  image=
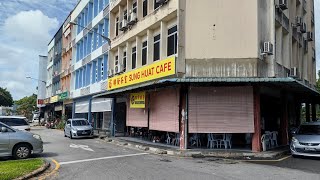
[
  {"x": 306, "y": 140},
  {"x": 20, "y": 144},
  {"x": 77, "y": 128},
  {"x": 16, "y": 122}
]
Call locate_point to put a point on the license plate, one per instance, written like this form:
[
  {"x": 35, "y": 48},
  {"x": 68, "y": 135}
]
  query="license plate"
[
  {"x": 309, "y": 149},
  {"x": 84, "y": 132}
]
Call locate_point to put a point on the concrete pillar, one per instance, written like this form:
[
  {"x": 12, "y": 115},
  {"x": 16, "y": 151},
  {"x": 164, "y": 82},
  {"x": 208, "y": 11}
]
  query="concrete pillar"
[
  {"x": 89, "y": 112},
  {"x": 129, "y": 52},
  {"x": 256, "y": 138},
  {"x": 150, "y": 6},
  {"x": 139, "y": 53},
  {"x": 139, "y": 9},
  {"x": 73, "y": 109},
  {"x": 163, "y": 40},
  {"x": 313, "y": 112},
  {"x": 112, "y": 127},
  {"x": 183, "y": 118},
  {"x": 284, "y": 120},
  {"x": 150, "y": 46},
  {"x": 307, "y": 112}
]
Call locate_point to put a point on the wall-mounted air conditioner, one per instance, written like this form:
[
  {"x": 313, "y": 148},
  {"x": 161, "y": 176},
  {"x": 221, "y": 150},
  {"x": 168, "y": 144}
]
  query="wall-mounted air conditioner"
[
  {"x": 310, "y": 36},
  {"x": 267, "y": 48},
  {"x": 132, "y": 18},
  {"x": 298, "y": 21},
  {"x": 303, "y": 28},
  {"x": 123, "y": 25}
]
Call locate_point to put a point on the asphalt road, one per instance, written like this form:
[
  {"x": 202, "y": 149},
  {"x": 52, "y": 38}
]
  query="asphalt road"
[{"x": 93, "y": 159}]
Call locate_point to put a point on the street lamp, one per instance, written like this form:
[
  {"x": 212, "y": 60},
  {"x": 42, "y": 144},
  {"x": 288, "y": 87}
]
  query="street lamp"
[
  {"x": 28, "y": 77},
  {"x": 103, "y": 36}
]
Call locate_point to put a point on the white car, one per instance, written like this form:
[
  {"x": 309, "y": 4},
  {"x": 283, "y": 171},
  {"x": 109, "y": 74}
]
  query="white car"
[{"x": 16, "y": 122}]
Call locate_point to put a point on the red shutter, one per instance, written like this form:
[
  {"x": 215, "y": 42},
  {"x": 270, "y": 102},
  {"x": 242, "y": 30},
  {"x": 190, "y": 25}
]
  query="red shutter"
[
  {"x": 221, "y": 110},
  {"x": 164, "y": 110},
  {"x": 137, "y": 117}
]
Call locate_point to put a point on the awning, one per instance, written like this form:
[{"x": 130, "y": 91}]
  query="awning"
[
  {"x": 285, "y": 83},
  {"x": 101, "y": 105}
]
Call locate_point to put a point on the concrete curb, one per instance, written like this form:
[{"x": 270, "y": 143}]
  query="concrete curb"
[
  {"x": 197, "y": 154},
  {"x": 36, "y": 172}
]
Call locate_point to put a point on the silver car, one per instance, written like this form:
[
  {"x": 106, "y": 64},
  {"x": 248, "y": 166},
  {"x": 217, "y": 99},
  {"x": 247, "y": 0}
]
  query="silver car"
[
  {"x": 77, "y": 128},
  {"x": 20, "y": 144},
  {"x": 306, "y": 140}
]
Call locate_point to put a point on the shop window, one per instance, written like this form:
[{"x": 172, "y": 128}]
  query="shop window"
[
  {"x": 124, "y": 60},
  {"x": 134, "y": 57},
  {"x": 134, "y": 6},
  {"x": 172, "y": 41},
  {"x": 156, "y": 47},
  {"x": 145, "y": 8},
  {"x": 144, "y": 52},
  {"x": 117, "y": 26}
]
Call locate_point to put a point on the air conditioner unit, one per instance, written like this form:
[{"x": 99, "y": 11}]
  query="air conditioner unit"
[
  {"x": 298, "y": 21},
  {"x": 303, "y": 28},
  {"x": 294, "y": 72},
  {"x": 123, "y": 25},
  {"x": 310, "y": 36},
  {"x": 283, "y": 4},
  {"x": 267, "y": 48},
  {"x": 117, "y": 69},
  {"x": 132, "y": 18}
]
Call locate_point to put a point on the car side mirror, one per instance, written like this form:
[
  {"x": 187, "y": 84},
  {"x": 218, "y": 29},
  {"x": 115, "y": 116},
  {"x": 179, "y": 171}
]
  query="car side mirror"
[
  {"x": 4, "y": 129},
  {"x": 294, "y": 131}
]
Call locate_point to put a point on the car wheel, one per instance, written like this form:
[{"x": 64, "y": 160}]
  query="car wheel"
[
  {"x": 70, "y": 135},
  {"x": 65, "y": 134},
  {"x": 22, "y": 151}
]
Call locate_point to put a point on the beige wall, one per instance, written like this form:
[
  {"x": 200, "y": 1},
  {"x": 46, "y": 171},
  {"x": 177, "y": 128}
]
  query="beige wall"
[{"x": 221, "y": 29}]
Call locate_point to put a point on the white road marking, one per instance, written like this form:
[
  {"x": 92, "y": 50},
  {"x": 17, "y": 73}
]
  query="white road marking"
[
  {"x": 96, "y": 159},
  {"x": 84, "y": 147}
]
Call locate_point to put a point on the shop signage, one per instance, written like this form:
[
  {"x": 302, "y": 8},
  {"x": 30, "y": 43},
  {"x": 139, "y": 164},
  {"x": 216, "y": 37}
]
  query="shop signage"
[
  {"x": 153, "y": 71},
  {"x": 54, "y": 99},
  {"x": 40, "y": 101},
  {"x": 46, "y": 101},
  {"x": 63, "y": 96},
  {"x": 138, "y": 100}
]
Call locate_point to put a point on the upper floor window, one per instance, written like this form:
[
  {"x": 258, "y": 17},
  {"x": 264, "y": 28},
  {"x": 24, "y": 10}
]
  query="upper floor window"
[
  {"x": 145, "y": 8},
  {"x": 117, "y": 26},
  {"x": 125, "y": 14},
  {"x": 116, "y": 61},
  {"x": 124, "y": 60},
  {"x": 134, "y": 6},
  {"x": 156, "y": 5},
  {"x": 134, "y": 57},
  {"x": 156, "y": 47},
  {"x": 172, "y": 41},
  {"x": 144, "y": 52}
]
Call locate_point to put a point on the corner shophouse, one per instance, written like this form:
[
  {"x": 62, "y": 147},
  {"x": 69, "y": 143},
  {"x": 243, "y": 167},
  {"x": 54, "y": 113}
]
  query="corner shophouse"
[{"x": 202, "y": 70}]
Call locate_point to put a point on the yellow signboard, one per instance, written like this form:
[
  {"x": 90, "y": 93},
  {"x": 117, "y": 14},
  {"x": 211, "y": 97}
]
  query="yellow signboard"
[
  {"x": 138, "y": 100},
  {"x": 153, "y": 71},
  {"x": 54, "y": 99}
]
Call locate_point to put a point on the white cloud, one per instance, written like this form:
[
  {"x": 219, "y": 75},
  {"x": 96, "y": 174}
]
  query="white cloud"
[
  {"x": 27, "y": 36},
  {"x": 30, "y": 28}
]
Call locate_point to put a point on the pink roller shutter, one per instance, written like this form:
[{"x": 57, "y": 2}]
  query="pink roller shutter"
[
  {"x": 137, "y": 117},
  {"x": 221, "y": 110},
  {"x": 164, "y": 110}
]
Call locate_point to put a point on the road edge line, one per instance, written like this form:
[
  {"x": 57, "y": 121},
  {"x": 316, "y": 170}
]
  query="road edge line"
[{"x": 267, "y": 160}]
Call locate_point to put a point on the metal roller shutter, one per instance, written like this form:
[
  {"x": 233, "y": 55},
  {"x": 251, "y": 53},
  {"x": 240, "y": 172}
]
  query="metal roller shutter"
[
  {"x": 221, "y": 110},
  {"x": 101, "y": 105},
  {"x": 164, "y": 110},
  {"x": 137, "y": 117},
  {"x": 82, "y": 107}
]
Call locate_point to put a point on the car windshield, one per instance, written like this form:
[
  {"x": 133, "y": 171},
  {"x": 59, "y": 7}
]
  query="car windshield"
[
  {"x": 309, "y": 130},
  {"x": 80, "y": 123},
  {"x": 15, "y": 121}
]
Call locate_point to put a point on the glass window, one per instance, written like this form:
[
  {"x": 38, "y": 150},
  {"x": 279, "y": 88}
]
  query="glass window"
[
  {"x": 124, "y": 60},
  {"x": 144, "y": 52},
  {"x": 309, "y": 130},
  {"x": 156, "y": 5},
  {"x": 156, "y": 48},
  {"x": 145, "y": 8},
  {"x": 125, "y": 14},
  {"x": 80, "y": 123},
  {"x": 134, "y": 57},
  {"x": 134, "y": 6},
  {"x": 117, "y": 26},
  {"x": 14, "y": 121},
  {"x": 172, "y": 41}
]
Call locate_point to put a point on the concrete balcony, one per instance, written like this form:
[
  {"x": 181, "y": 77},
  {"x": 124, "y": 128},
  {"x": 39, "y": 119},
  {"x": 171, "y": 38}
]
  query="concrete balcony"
[{"x": 282, "y": 19}]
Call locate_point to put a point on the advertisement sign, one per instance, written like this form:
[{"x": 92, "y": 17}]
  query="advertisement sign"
[
  {"x": 54, "y": 99},
  {"x": 63, "y": 96},
  {"x": 138, "y": 100},
  {"x": 47, "y": 101},
  {"x": 153, "y": 71},
  {"x": 40, "y": 101}
]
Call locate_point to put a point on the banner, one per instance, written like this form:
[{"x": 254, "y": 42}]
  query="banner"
[
  {"x": 138, "y": 100},
  {"x": 153, "y": 71},
  {"x": 54, "y": 99},
  {"x": 63, "y": 96}
]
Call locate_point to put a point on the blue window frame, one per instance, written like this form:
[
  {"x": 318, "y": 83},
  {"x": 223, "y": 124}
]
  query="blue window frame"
[
  {"x": 95, "y": 8},
  {"x": 105, "y": 70},
  {"x": 99, "y": 70},
  {"x": 94, "y": 71}
]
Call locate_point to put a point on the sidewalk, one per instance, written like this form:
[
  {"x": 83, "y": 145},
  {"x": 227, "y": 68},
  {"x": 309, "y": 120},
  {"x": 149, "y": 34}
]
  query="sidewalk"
[{"x": 157, "y": 148}]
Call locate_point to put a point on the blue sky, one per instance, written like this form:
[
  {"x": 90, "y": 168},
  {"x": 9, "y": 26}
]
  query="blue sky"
[{"x": 27, "y": 26}]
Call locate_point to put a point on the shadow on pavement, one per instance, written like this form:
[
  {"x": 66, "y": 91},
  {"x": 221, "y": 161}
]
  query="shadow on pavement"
[{"x": 46, "y": 155}]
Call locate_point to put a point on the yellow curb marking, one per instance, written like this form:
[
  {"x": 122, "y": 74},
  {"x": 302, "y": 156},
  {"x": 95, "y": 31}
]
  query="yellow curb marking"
[
  {"x": 277, "y": 160},
  {"x": 52, "y": 172}
]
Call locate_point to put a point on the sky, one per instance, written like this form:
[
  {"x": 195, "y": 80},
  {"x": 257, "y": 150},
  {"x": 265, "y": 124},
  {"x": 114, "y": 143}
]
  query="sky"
[{"x": 27, "y": 26}]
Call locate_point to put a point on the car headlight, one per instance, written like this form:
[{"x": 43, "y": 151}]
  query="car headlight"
[
  {"x": 73, "y": 129},
  {"x": 294, "y": 139},
  {"x": 36, "y": 136}
]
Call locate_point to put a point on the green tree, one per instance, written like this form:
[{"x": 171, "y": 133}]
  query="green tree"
[
  {"x": 318, "y": 81},
  {"x": 5, "y": 97},
  {"x": 27, "y": 105}
]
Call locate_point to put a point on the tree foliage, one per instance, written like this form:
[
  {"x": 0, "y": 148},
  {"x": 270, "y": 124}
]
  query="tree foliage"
[
  {"x": 318, "y": 81},
  {"x": 27, "y": 105},
  {"x": 5, "y": 97}
]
